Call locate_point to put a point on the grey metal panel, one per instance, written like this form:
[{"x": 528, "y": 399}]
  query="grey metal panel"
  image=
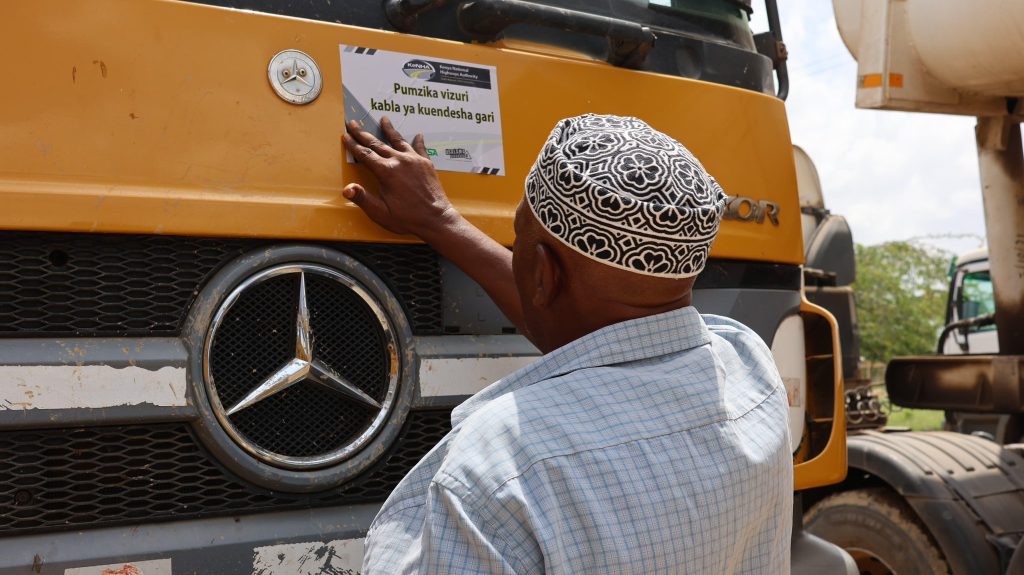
[
  {"x": 812, "y": 555},
  {"x": 469, "y": 347},
  {"x": 151, "y": 353},
  {"x": 144, "y": 352},
  {"x": 439, "y": 401},
  {"x": 467, "y": 307},
  {"x": 474, "y": 346},
  {"x": 831, "y": 249},
  {"x": 221, "y": 546},
  {"x": 965, "y": 489},
  {"x": 154, "y": 353},
  {"x": 117, "y": 415},
  {"x": 762, "y": 310}
]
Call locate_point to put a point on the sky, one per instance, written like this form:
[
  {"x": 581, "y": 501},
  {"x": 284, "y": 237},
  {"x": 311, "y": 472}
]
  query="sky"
[{"x": 894, "y": 175}]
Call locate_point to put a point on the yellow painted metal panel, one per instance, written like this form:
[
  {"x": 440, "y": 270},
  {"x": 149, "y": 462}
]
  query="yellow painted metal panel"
[
  {"x": 151, "y": 116},
  {"x": 828, "y": 466}
]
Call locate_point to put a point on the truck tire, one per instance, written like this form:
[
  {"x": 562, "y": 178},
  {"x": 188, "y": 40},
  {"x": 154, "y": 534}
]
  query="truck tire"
[{"x": 879, "y": 530}]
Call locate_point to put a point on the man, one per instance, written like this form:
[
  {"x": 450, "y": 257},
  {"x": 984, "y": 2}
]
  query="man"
[{"x": 649, "y": 439}]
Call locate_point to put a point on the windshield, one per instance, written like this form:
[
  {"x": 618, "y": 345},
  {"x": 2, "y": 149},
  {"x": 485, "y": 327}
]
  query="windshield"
[
  {"x": 708, "y": 40},
  {"x": 976, "y": 297}
]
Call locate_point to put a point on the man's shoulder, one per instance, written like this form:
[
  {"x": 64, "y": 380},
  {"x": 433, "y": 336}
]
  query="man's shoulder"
[
  {"x": 725, "y": 326},
  {"x": 747, "y": 363},
  {"x": 487, "y": 451},
  {"x": 738, "y": 335}
]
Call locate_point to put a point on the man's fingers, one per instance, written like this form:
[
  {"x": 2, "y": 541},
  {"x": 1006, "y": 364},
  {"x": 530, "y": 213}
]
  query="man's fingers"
[
  {"x": 420, "y": 146},
  {"x": 369, "y": 140},
  {"x": 393, "y": 136},
  {"x": 372, "y": 205},
  {"x": 362, "y": 154}
]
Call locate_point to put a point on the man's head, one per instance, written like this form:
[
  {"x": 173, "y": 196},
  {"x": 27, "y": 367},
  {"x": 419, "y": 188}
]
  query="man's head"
[{"x": 617, "y": 222}]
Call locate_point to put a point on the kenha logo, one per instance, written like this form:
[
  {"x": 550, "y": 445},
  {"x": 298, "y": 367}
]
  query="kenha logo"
[{"x": 419, "y": 70}]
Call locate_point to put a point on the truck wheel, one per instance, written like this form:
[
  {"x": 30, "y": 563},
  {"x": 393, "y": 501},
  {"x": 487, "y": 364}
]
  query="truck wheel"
[{"x": 879, "y": 530}]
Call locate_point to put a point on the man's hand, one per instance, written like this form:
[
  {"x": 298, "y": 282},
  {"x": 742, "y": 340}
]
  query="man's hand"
[{"x": 411, "y": 200}]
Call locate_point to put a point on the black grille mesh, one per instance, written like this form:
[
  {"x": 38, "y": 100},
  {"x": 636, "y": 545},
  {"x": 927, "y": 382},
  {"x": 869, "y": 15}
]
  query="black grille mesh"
[
  {"x": 359, "y": 352},
  {"x": 70, "y": 284},
  {"x": 413, "y": 274},
  {"x": 126, "y": 285},
  {"x": 257, "y": 337},
  {"x": 80, "y": 478}
]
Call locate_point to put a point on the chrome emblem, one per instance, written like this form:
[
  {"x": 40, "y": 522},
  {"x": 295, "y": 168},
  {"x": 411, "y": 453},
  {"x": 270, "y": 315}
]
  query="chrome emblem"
[
  {"x": 304, "y": 366},
  {"x": 750, "y": 210},
  {"x": 295, "y": 77}
]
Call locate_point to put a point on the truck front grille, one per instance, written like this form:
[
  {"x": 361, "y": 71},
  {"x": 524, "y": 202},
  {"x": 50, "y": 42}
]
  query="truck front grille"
[
  {"x": 60, "y": 479},
  {"x": 81, "y": 285}
]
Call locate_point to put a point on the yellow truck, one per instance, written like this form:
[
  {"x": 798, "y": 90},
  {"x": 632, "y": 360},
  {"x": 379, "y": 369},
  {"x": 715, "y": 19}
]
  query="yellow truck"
[{"x": 210, "y": 362}]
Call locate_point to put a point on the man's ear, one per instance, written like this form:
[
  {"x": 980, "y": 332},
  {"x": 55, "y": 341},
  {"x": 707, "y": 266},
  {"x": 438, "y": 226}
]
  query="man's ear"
[{"x": 547, "y": 276}]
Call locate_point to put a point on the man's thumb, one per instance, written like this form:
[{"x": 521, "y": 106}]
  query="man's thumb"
[
  {"x": 369, "y": 203},
  {"x": 354, "y": 193}
]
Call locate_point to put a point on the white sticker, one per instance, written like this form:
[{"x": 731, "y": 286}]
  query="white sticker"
[
  {"x": 453, "y": 104},
  {"x": 156, "y": 567},
  {"x": 340, "y": 557}
]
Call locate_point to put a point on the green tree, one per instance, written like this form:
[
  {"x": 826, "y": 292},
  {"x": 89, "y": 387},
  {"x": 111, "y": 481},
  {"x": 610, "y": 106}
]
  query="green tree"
[{"x": 901, "y": 298}]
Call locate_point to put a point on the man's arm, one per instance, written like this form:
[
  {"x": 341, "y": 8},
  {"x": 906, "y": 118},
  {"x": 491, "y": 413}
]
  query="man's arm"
[
  {"x": 412, "y": 201},
  {"x": 447, "y": 536}
]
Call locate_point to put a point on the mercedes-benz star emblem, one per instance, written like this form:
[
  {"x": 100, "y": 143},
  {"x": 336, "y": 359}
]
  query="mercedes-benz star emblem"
[
  {"x": 302, "y": 367},
  {"x": 310, "y": 404},
  {"x": 294, "y": 76}
]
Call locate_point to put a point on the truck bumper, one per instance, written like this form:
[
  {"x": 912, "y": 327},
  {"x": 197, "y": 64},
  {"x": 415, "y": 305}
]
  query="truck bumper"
[{"x": 325, "y": 540}]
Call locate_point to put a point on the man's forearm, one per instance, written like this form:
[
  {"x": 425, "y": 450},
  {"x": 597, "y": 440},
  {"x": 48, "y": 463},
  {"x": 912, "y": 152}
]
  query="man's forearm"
[{"x": 483, "y": 259}]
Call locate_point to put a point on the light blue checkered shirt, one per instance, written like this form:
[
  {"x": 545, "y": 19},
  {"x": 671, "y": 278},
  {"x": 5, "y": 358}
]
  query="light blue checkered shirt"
[{"x": 656, "y": 445}]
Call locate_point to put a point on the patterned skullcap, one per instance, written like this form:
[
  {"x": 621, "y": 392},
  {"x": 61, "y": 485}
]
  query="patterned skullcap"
[{"x": 622, "y": 193}]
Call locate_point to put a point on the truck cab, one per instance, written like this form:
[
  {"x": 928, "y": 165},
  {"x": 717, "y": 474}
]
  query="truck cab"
[
  {"x": 970, "y": 329},
  {"x": 970, "y": 298},
  {"x": 210, "y": 362}
]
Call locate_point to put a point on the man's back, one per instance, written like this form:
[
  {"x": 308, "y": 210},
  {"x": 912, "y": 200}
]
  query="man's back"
[{"x": 657, "y": 445}]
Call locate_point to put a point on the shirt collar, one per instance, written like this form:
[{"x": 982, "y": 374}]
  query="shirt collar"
[{"x": 632, "y": 340}]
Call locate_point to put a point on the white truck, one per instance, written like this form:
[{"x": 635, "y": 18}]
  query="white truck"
[{"x": 947, "y": 502}]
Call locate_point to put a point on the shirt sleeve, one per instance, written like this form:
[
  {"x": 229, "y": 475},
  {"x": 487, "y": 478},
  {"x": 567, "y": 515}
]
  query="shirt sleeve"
[
  {"x": 460, "y": 539},
  {"x": 455, "y": 538}
]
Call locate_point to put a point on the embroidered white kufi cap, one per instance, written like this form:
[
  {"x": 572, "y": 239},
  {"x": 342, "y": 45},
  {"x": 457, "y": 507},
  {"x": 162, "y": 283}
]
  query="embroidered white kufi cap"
[{"x": 621, "y": 192}]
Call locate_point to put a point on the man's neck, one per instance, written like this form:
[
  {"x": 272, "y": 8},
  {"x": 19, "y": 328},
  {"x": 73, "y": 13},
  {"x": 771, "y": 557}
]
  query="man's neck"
[{"x": 592, "y": 318}]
